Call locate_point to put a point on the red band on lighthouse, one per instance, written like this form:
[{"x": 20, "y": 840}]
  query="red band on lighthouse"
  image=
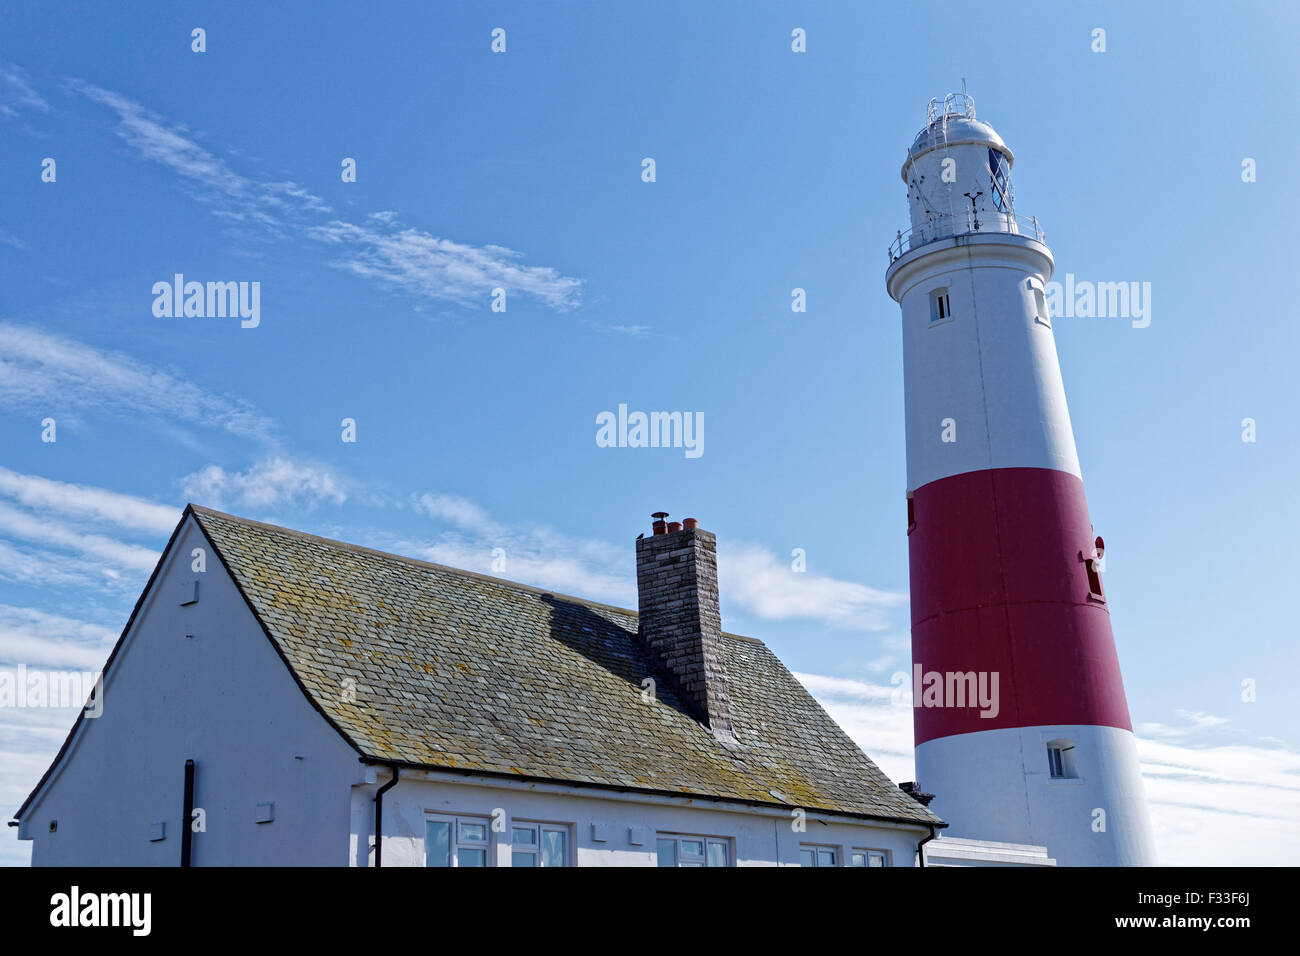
[{"x": 998, "y": 587}]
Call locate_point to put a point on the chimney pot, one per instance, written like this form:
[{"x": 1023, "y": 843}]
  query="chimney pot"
[
  {"x": 690, "y": 524},
  {"x": 674, "y": 526}
]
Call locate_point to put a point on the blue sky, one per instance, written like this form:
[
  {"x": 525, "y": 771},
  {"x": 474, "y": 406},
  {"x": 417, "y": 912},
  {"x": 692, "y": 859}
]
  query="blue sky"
[{"x": 774, "y": 170}]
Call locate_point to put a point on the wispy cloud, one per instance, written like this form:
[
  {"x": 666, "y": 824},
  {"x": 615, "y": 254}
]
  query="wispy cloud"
[
  {"x": 751, "y": 578},
  {"x": 845, "y": 688},
  {"x": 520, "y": 560},
  {"x": 631, "y": 331},
  {"x": 459, "y": 511},
  {"x": 47, "y": 533},
  {"x": 48, "y": 570},
  {"x": 768, "y": 586},
  {"x": 1223, "y": 805},
  {"x": 273, "y": 483},
  {"x": 43, "y": 371},
  {"x": 382, "y": 250},
  {"x": 35, "y": 637},
  {"x": 56, "y": 535},
  {"x": 427, "y": 266},
  {"x": 16, "y": 92},
  {"x": 128, "y": 511},
  {"x": 1194, "y": 720},
  {"x": 233, "y": 195},
  {"x": 537, "y": 555}
]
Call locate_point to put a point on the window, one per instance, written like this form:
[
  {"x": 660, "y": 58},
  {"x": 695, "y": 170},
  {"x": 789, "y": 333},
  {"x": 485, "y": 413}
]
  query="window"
[
  {"x": 939, "y": 306},
  {"x": 678, "y": 850},
  {"x": 1041, "y": 314},
  {"x": 1094, "y": 578},
  {"x": 819, "y": 855},
  {"x": 539, "y": 844},
  {"x": 911, "y": 513},
  {"x": 1054, "y": 761},
  {"x": 1092, "y": 564},
  {"x": 1061, "y": 763},
  {"x": 456, "y": 841},
  {"x": 859, "y": 857},
  {"x": 1001, "y": 186}
]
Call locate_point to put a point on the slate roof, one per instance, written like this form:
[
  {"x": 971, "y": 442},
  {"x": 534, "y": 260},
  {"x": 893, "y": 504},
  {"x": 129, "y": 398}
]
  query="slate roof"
[{"x": 436, "y": 667}]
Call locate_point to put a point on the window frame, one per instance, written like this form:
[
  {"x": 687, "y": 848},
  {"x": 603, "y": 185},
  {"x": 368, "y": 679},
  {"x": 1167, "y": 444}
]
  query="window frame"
[
  {"x": 1056, "y": 763},
  {"x": 456, "y": 843},
  {"x": 537, "y": 848},
  {"x": 817, "y": 849},
  {"x": 1062, "y": 756},
  {"x": 868, "y": 854},
  {"x": 1000, "y": 182},
  {"x": 702, "y": 859},
  {"x": 940, "y": 305}
]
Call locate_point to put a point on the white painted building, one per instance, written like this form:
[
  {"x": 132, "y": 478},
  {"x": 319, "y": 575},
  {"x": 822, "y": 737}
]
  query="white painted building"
[
  {"x": 318, "y": 687},
  {"x": 957, "y": 851}
]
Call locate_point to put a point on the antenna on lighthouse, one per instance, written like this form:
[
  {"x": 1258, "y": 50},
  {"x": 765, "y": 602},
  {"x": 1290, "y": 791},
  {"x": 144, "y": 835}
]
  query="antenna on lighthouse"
[{"x": 974, "y": 210}]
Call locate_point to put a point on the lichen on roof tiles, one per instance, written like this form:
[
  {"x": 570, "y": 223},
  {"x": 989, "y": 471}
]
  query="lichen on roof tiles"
[{"x": 432, "y": 666}]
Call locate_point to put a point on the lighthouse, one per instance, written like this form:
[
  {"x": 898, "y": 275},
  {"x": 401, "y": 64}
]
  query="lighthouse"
[{"x": 1021, "y": 726}]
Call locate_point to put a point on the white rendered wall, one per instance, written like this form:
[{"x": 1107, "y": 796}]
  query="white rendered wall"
[
  {"x": 757, "y": 838},
  {"x": 992, "y": 368},
  {"x": 1005, "y": 792},
  {"x": 223, "y": 698}
]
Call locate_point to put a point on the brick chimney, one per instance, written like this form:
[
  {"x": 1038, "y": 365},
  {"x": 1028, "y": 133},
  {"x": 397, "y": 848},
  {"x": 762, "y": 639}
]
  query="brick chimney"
[{"x": 677, "y": 600}]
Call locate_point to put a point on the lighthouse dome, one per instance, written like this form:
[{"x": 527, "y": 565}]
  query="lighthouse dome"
[
  {"x": 958, "y": 176},
  {"x": 953, "y": 123}
]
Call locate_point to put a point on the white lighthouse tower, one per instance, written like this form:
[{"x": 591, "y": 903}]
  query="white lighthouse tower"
[{"x": 1021, "y": 726}]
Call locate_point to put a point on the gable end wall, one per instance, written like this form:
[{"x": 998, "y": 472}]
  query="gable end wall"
[{"x": 223, "y": 698}]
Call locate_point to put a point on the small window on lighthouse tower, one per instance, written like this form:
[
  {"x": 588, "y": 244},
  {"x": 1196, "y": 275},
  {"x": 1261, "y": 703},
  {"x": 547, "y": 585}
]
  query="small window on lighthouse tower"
[
  {"x": 1040, "y": 302},
  {"x": 1060, "y": 760},
  {"x": 939, "y": 307},
  {"x": 1094, "y": 579},
  {"x": 1092, "y": 563}
]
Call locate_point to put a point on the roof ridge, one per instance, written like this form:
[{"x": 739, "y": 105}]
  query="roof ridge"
[{"x": 201, "y": 510}]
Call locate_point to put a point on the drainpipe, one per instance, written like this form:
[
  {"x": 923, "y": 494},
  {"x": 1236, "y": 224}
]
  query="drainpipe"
[
  {"x": 920, "y": 847},
  {"x": 379, "y": 816},
  {"x": 187, "y": 814}
]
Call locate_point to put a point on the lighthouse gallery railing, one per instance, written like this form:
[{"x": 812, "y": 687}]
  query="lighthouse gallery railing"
[{"x": 945, "y": 227}]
